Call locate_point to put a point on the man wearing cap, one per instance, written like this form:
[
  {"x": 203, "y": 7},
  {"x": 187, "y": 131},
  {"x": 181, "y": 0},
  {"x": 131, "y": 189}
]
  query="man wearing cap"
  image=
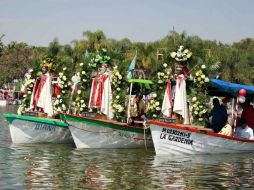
[{"x": 248, "y": 113}]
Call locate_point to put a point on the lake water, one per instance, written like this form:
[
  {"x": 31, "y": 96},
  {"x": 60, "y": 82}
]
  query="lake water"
[{"x": 48, "y": 166}]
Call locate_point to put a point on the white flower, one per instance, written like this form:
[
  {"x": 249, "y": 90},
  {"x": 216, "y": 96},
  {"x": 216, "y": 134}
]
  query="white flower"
[
  {"x": 61, "y": 100},
  {"x": 83, "y": 72},
  {"x": 154, "y": 115},
  {"x": 58, "y": 96},
  {"x": 82, "y": 101},
  {"x": 197, "y": 74},
  {"x": 64, "y": 108},
  {"x": 195, "y": 112},
  {"x": 63, "y": 91},
  {"x": 160, "y": 81},
  {"x": 200, "y": 119},
  {"x": 173, "y": 54},
  {"x": 194, "y": 105},
  {"x": 64, "y": 78},
  {"x": 84, "y": 80},
  {"x": 79, "y": 91},
  {"x": 203, "y": 66},
  {"x": 81, "y": 109},
  {"x": 120, "y": 77},
  {"x": 64, "y": 68},
  {"x": 117, "y": 97},
  {"x": 154, "y": 95},
  {"x": 60, "y": 74},
  {"x": 120, "y": 108},
  {"x": 165, "y": 65},
  {"x": 194, "y": 99},
  {"x": 81, "y": 64},
  {"x": 78, "y": 73},
  {"x": 202, "y": 76},
  {"x": 158, "y": 108},
  {"x": 157, "y": 103},
  {"x": 118, "y": 89},
  {"x": 207, "y": 79}
]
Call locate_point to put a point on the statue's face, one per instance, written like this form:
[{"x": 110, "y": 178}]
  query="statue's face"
[{"x": 44, "y": 69}]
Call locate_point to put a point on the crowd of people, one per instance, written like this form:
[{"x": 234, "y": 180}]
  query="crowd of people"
[{"x": 220, "y": 122}]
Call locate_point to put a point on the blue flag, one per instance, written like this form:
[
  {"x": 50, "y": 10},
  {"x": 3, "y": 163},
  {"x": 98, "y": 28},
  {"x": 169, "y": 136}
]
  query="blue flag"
[{"x": 132, "y": 66}]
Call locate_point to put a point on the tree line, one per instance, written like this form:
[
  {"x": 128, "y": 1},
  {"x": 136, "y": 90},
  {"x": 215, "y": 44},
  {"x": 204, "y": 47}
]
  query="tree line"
[{"x": 234, "y": 63}]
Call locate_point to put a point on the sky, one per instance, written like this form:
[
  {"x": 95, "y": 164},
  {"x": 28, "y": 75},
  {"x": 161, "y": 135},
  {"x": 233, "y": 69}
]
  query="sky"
[{"x": 38, "y": 22}]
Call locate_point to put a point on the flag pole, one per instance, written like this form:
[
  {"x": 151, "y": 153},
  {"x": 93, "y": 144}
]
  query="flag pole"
[{"x": 129, "y": 102}]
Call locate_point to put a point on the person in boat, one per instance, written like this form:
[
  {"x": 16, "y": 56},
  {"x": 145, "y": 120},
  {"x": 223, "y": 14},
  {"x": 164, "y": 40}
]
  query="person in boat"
[
  {"x": 137, "y": 109},
  {"x": 244, "y": 131},
  {"x": 248, "y": 113},
  {"x": 101, "y": 93},
  {"x": 226, "y": 130},
  {"x": 41, "y": 100},
  {"x": 219, "y": 116}
]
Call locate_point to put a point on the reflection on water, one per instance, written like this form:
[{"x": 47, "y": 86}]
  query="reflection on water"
[{"x": 48, "y": 166}]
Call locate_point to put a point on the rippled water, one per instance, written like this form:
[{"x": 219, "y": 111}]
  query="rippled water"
[{"x": 47, "y": 166}]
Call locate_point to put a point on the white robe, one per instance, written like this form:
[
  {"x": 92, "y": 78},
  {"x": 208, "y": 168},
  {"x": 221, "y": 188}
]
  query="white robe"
[
  {"x": 167, "y": 103},
  {"x": 45, "y": 99},
  {"x": 106, "y": 103},
  {"x": 180, "y": 102}
]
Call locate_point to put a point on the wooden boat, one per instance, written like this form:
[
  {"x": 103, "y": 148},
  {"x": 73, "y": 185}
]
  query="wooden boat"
[
  {"x": 29, "y": 129},
  {"x": 90, "y": 132},
  {"x": 178, "y": 139}
]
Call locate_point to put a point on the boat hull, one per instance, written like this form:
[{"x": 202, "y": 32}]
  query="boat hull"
[
  {"x": 178, "y": 140},
  {"x": 26, "y": 129},
  {"x": 91, "y": 133}
]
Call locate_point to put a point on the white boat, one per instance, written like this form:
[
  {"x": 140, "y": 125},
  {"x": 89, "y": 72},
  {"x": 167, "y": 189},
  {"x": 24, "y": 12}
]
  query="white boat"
[
  {"x": 28, "y": 129},
  {"x": 177, "y": 139},
  {"x": 99, "y": 133}
]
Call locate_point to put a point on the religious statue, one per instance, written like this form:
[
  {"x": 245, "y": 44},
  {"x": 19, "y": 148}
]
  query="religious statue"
[{"x": 41, "y": 100}]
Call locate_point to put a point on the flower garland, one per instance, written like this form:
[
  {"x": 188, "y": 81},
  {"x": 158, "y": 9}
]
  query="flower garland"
[
  {"x": 119, "y": 94},
  {"x": 199, "y": 105},
  {"x": 199, "y": 110},
  {"x": 182, "y": 54},
  {"x": 163, "y": 76},
  {"x": 201, "y": 79},
  {"x": 100, "y": 58},
  {"x": 79, "y": 102},
  {"x": 28, "y": 88},
  {"x": 154, "y": 107},
  {"x": 64, "y": 83}
]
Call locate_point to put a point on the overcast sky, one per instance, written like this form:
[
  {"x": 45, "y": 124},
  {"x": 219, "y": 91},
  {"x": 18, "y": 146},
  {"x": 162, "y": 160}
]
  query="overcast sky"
[{"x": 38, "y": 22}]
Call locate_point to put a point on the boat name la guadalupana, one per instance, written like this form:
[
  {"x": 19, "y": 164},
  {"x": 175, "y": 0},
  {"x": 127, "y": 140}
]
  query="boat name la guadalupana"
[
  {"x": 176, "y": 135},
  {"x": 44, "y": 127}
]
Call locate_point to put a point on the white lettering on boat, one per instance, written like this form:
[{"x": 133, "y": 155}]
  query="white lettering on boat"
[
  {"x": 175, "y": 135},
  {"x": 45, "y": 127}
]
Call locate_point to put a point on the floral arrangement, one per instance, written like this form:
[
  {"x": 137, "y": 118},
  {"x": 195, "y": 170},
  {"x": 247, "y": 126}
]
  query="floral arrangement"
[
  {"x": 64, "y": 83},
  {"x": 163, "y": 76},
  {"x": 81, "y": 79},
  {"x": 100, "y": 58},
  {"x": 182, "y": 54},
  {"x": 154, "y": 107},
  {"x": 28, "y": 88},
  {"x": 199, "y": 104},
  {"x": 200, "y": 78},
  {"x": 119, "y": 94},
  {"x": 199, "y": 110}
]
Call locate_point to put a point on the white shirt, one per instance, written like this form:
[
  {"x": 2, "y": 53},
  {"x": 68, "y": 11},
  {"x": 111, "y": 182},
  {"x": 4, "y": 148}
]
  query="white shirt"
[{"x": 247, "y": 132}]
